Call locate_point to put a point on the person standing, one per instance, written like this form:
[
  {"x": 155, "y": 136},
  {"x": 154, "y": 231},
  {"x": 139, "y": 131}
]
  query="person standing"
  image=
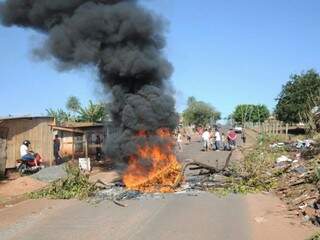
[
  {"x": 243, "y": 136},
  {"x": 206, "y": 139},
  {"x": 189, "y": 135},
  {"x": 179, "y": 141},
  {"x": 224, "y": 142},
  {"x": 217, "y": 139},
  {"x": 98, "y": 148},
  {"x": 232, "y": 138},
  {"x": 56, "y": 150}
]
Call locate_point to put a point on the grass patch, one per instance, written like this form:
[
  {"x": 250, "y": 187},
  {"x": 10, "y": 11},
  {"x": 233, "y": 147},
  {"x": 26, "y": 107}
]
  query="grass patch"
[
  {"x": 256, "y": 172},
  {"x": 75, "y": 185}
]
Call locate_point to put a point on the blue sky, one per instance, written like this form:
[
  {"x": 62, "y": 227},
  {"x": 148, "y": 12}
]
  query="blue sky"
[{"x": 223, "y": 52}]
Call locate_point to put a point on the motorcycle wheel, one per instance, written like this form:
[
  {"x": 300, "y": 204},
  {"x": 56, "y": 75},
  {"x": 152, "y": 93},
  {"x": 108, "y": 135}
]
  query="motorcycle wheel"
[{"x": 22, "y": 169}]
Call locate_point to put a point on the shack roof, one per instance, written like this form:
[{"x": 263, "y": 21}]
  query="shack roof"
[
  {"x": 67, "y": 129},
  {"x": 81, "y": 125},
  {"x": 28, "y": 117}
]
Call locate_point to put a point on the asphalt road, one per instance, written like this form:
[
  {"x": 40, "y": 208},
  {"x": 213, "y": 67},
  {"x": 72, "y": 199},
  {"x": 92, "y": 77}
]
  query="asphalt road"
[{"x": 165, "y": 217}]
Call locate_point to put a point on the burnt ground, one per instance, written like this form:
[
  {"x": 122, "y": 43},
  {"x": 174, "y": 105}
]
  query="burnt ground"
[{"x": 161, "y": 217}]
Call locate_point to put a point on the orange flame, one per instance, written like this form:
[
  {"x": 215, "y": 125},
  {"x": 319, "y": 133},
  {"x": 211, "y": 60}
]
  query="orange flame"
[{"x": 163, "y": 169}]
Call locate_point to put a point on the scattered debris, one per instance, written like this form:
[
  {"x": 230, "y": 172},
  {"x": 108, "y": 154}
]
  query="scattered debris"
[
  {"x": 115, "y": 193},
  {"x": 299, "y": 181},
  {"x": 299, "y": 144},
  {"x": 283, "y": 159}
]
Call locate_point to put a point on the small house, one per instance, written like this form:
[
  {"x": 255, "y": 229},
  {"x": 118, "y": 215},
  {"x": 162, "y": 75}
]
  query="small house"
[
  {"x": 14, "y": 130},
  {"x": 79, "y": 139}
]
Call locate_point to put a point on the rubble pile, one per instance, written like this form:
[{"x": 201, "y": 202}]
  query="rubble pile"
[
  {"x": 299, "y": 178},
  {"x": 115, "y": 192},
  {"x": 118, "y": 193}
]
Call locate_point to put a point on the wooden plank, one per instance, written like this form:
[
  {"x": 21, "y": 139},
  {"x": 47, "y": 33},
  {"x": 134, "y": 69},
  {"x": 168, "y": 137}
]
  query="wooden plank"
[
  {"x": 73, "y": 147},
  {"x": 68, "y": 130},
  {"x": 3, "y": 150}
]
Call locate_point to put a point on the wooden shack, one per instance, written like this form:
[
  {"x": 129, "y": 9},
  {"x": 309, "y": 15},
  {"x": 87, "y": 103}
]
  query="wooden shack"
[
  {"x": 14, "y": 130},
  {"x": 78, "y": 139}
]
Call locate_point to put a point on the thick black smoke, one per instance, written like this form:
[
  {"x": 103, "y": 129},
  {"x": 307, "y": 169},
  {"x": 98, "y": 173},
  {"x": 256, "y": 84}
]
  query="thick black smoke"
[{"x": 124, "y": 41}]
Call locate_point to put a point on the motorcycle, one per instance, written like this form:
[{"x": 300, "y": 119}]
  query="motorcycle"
[
  {"x": 29, "y": 167},
  {"x": 231, "y": 145}
]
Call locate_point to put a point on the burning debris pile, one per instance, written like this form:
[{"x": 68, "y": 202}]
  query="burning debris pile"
[
  {"x": 164, "y": 171},
  {"x": 125, "y": 43},
  {"x": 193, "y": 178}
]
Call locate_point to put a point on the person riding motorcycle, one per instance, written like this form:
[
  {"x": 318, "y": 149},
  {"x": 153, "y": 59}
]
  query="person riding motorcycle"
[
  {"x": 232, "y": 139},
  {"x": 28, "y": 155}
]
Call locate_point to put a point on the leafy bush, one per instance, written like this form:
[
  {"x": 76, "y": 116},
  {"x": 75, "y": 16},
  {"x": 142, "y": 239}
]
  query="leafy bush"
[
  {"x": 256, "y": 173},
  {"x": 75, "y": 185}
]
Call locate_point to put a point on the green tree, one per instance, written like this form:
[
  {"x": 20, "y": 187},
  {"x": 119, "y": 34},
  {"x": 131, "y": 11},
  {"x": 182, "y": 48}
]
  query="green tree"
[
  {"x": 73, "y": 104},
  {"x": 92, "y": 113},
  {"x": 250, "y": 113},
  {"x": 199, "y": 113},
  {"x": 60, "y": 115},
  {"x": 297, "y": 97}
]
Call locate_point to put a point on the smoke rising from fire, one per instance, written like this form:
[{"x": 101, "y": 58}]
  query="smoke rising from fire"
[{"x": 125, "y": 42}]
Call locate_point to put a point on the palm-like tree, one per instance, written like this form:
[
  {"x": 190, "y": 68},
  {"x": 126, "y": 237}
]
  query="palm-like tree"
[
  {"x": 59, "y": 115},
  {"x": 92, "y": 113}
]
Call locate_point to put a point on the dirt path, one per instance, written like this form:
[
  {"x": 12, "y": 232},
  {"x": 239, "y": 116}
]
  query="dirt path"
[
  {"x": 268, "y": 215},
  {"x": 270, "y": 219}
]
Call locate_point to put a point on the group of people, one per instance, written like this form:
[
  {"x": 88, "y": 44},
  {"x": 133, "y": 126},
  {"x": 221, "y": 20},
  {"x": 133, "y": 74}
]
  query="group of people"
[
  {"x": 211, "y": 139},
  {"x": 218, "y": 141}
]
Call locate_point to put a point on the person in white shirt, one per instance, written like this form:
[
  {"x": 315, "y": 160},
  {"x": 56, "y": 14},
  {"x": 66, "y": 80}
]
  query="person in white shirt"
[
  {"x": 179, "y": 141},
  {"x": 26, "y": 154},
  {"x": 217, "y": 140},
  {"x": 206, "y": 139}
]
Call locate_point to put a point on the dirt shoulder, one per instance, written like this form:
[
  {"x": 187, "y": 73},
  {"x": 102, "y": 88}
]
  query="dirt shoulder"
[{"x": 269, "y": 218}]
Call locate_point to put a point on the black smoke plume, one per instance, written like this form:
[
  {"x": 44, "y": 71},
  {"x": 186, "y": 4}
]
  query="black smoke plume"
[{"x": 125, "y": 42}]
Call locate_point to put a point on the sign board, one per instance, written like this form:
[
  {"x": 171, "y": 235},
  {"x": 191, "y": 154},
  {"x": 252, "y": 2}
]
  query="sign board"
[{"x": 85, "y": 164}]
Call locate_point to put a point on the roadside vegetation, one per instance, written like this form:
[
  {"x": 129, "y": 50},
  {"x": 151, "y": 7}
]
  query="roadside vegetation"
[
  {"x": 250, "y": 113},
  {"x": 93, "y": 112},
  {"x": 256, "y": 172},
  {"x": 75, "y": 185},
  {"x": 300, "y": 99},
  {"x": 199, "y": 113}
]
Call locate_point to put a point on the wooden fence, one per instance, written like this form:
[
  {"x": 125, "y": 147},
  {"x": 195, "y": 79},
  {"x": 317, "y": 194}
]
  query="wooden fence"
[{"x": 273, "y": 127}]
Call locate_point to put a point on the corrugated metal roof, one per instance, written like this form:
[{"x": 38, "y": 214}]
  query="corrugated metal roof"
[{"x": 24, "y": 117}]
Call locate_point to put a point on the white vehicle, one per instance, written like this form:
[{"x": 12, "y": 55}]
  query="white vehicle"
[{"x": 238, "y": 129}]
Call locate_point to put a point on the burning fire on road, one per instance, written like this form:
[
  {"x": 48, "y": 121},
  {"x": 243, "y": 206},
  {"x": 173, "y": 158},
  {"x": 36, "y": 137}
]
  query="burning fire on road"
[
  {"x": 154, "y": 168},
  {"x": 125, "y": 43}
]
